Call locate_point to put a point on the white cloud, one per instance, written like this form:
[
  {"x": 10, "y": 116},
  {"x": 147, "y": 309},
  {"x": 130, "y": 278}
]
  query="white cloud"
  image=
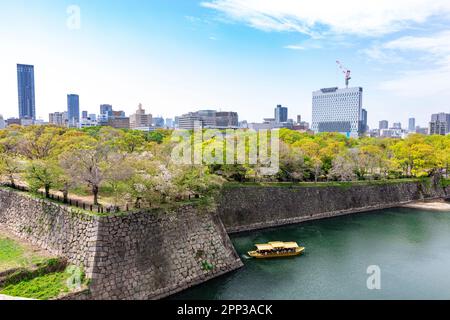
[
  {"x": 319, "y": 17},
  {"x": 436, "y": 46},
  {"x": 378, "y": 53},
  {"x": 313, "y": 44},
  {"x": 432, "y": 61}
]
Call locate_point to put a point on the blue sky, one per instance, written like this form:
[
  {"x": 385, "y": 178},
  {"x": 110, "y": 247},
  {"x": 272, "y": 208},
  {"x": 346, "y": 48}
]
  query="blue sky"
[{"x": 247, "y": 56}]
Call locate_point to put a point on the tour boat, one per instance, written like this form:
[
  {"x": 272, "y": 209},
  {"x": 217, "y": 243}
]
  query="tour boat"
[{"x": 276, "y": 249}]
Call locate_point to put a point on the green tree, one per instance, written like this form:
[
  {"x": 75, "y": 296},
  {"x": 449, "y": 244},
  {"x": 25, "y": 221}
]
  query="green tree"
[
  {"x": 38, "y": 142},
  {"x": 41, "y": 174},
  {"x": 10, "y": 167},
  {"x": 89, "y": 166},
  {"x": 292, "y": 163},
  {"x": 118, "y": 176}
]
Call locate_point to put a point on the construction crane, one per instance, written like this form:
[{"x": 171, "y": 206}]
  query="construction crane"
[{"x": 346, "y": 72}]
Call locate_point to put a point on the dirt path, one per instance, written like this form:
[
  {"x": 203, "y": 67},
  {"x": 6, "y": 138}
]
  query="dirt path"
[
  {"x": 436, "y": 205},
  {"x": 89, "y": 199}
]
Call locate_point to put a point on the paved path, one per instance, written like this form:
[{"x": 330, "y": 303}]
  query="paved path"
[
  {"x": 430, "y": 205},
  {"x": 3, "y": 297}
]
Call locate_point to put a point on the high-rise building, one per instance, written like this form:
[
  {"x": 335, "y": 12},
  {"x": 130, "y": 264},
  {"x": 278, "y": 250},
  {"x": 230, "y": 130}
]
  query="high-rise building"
[
  {"x": 189, "y": 121},
  {"x": 106, "y": 109},
  {"x": 384, "y": 124},
  {"x": 115, "y": 119},
  {"x": 443, "y": 119},
  {"x": 397, "y": 125},
  {"x": 437, "y": 127},
  {"x": 158, "y": 122},
  {"x": 140, "y": 119},
  {"x": 118, "y": 114},
  {"x": 227, "y": 120},
  {"x": 281, "y": 114},
  {"x": 25, "y": 83},
  {"x": 119, "y": 122},
  {"x": 84, "y": 115},
  {"x": 412, "y": 125},
  {"x": 364, "y": 126},
  {"x": 73, "y": 109},
  {"x": 299, "y": 119},
  {"x": 2, "y": 122},
  {"x": 338, "y": 110},
  {"x": 169, "y": 123},
  {"x": 58, "y": 119},
  {"x": 208, "y": 119},
  {"x": 440, "y": 124}
]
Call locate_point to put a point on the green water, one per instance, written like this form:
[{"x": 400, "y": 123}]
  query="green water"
[{"x": 411, "y": 247}]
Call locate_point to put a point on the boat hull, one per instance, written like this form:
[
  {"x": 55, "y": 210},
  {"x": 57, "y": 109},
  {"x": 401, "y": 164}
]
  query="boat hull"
[{"x": 257, "y": 255}]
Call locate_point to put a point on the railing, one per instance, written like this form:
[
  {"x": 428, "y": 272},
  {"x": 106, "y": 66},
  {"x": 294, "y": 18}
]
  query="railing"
[{"x": 73, "y": 202}]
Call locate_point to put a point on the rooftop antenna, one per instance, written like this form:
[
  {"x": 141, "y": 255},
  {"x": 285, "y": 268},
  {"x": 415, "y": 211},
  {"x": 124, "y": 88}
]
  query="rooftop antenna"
[{"x": 346, "y": 72}]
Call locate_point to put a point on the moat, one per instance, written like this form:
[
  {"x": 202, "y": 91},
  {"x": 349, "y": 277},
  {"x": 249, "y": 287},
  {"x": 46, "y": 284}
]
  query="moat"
[{"x": 411, "y": 247}]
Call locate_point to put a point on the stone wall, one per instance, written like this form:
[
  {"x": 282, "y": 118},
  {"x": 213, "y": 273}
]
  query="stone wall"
[
  {"x": 136, "y": 256},
  {"x": 147, "y": 256},
  {"x": 255, "y": 207},
  {"x": 62, "y": 231},
  {"x": 153, "y": 255}
]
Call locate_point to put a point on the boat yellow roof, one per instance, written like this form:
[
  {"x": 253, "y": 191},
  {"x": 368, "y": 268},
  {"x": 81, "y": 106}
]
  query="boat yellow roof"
[
  {"x": 277, "y": 245},
  {"x": 264, "y": 247},
  {"x": 291, "y": 245}
]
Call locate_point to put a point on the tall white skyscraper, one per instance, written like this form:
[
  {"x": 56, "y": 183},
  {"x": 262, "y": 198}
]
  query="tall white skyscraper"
[{"x": 338, "y": 110}]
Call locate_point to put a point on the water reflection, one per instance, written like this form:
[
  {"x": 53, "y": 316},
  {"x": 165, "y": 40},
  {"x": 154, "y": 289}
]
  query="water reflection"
[{"x": 412, "y": 248}]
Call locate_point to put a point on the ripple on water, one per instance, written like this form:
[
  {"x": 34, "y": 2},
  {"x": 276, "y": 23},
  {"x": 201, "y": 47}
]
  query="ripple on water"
[{"x": 412, "y": 248}]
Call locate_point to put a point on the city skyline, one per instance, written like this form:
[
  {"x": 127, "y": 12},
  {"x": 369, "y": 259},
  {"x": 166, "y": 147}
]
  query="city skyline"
[
  {"x": 201, "y": 55},
  {"x": 74, "y": 105}
]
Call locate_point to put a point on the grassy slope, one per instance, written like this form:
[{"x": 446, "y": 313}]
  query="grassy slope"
[
  {"x": 13, "y": 255},
  {"x": 43, "y": 288}
]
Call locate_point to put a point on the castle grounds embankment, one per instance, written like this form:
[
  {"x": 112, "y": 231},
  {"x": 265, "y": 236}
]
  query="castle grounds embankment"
[
  {"x": 250, "y": 207},
  {"x": 151, "y": 255},
  {"x": 142, "y": 255}
]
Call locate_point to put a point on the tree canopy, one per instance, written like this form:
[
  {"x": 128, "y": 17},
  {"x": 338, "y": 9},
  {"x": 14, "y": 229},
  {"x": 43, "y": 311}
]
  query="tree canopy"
[{"x": 133, "y": 167}]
